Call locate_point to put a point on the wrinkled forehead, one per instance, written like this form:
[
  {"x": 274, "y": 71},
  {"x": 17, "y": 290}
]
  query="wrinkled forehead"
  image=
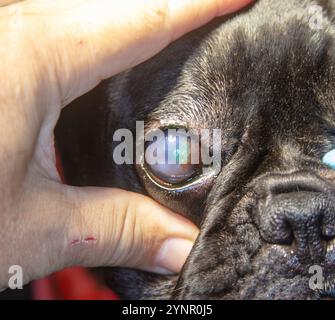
[{"x": 277, "y": 67}]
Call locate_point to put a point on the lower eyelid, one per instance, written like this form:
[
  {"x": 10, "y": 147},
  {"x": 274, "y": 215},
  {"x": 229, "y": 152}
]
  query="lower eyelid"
[
  {"x": 197, "y": 183},
  {"x": 170, "y": 173}
]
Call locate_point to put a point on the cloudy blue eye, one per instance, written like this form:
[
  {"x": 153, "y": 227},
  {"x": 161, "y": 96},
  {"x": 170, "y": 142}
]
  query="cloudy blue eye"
[
  {"x": 169, "y": 158},
  {"x": 329, "y": 159}
]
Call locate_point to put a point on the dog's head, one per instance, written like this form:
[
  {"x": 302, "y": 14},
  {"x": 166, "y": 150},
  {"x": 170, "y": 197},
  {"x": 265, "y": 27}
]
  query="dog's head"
[{"x": 266, "y": 78}]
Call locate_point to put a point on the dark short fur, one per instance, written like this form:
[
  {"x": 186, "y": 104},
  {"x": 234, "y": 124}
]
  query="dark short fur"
[{"x": 267, "y": 79}]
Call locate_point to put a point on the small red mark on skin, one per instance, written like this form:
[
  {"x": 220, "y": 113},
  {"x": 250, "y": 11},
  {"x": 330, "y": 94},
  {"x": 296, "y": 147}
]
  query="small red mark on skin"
[
  {"x": 90, "y": 239},
  {"x": 83, "y": 241},
  {"x": 74, "y": 242}
]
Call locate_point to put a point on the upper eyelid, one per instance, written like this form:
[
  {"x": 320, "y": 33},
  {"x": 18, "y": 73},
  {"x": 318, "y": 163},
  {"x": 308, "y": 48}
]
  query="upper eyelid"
[
  {"x": 177, "y": 127},
  {"x": 158, "y": 125}
]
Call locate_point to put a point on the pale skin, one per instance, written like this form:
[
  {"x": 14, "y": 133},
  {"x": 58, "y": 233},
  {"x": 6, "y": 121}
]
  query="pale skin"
[{"x": 51, "y": 53}]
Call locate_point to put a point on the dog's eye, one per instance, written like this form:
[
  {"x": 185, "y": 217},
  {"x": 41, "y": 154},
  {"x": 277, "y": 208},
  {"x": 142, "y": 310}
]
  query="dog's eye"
[
  {"x": 329, "y": 159},
  {"x": 169, "y": 158}
]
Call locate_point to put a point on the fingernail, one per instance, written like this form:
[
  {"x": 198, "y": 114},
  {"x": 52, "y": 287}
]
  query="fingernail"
[{"x": 172, "y": 255}]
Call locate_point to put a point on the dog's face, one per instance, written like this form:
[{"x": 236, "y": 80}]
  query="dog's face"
[{"x": 265, "y": 78}]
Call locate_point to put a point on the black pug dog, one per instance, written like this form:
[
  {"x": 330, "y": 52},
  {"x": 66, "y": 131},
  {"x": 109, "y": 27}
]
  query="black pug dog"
[{"x": 266, "y": 77}]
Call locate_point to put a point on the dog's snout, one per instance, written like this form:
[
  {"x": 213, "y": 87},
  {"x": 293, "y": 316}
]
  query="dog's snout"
[{"x": 298, "y": 210}]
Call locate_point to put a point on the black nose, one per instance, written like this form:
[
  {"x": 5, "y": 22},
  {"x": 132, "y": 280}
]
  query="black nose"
[{"x": 297, "y": 210}]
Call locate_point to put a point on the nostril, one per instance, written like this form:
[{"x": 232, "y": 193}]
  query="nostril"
[
  {"x": 275, "y": 225},
  {"x": 328, "y": 222}
]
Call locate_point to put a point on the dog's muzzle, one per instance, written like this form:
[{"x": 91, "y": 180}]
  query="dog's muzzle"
[{"x": 264, "y": 246}]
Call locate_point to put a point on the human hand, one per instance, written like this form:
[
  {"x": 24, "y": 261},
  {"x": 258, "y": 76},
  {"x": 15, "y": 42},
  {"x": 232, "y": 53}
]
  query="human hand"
[{"x": 51, "y": 53}]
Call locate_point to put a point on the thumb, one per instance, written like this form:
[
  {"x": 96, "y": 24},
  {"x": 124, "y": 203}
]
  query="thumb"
[
  {"x": 129, "y": 230},
  {"x": 95, "y": 227}
]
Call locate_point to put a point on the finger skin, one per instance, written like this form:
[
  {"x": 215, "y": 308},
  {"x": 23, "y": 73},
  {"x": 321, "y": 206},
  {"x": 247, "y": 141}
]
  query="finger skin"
[{"x": 92, "y": 40}]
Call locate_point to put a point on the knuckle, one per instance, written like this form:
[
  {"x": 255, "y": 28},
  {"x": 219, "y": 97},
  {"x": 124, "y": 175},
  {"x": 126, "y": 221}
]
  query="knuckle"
[{"x": 158, "y": 14}]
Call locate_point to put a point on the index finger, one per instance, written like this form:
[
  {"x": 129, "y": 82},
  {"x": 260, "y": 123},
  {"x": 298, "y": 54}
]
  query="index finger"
[{"x": 85, "y": 41}]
